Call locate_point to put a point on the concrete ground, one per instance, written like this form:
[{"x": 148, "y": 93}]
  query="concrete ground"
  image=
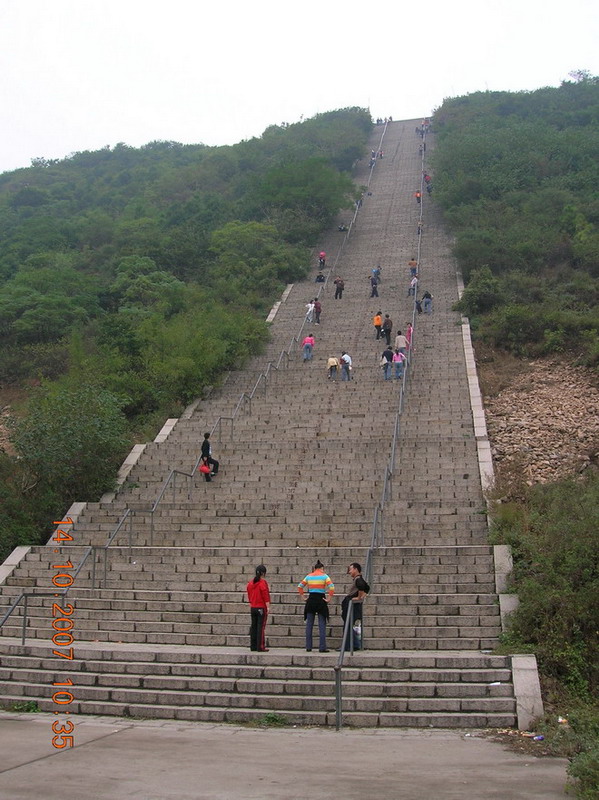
[{"x": 115, "y": 758}]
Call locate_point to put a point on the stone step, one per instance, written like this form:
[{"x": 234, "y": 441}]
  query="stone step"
[
  {"x": 213, "y": 714},
  {"x": 213, "y": 685},
  {"x": 407, "y": 638}
]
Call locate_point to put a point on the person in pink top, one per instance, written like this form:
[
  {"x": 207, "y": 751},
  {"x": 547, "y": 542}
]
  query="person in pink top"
[
  {"x": 398, "y": 361},
  {"x": 322, "y": 257},
  {"x": 308, "y": 346}
]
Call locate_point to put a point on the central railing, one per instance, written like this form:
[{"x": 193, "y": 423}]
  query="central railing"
[
  {"x": 378, "y": 530},
  {"x": 377, "y": 538}
]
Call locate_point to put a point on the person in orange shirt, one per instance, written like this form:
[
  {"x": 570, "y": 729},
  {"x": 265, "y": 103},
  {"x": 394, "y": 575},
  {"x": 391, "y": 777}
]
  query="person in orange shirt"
[{"x": 377, "y": 321}]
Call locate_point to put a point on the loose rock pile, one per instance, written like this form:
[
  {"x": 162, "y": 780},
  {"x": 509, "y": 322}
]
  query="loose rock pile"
[{"x": 545, "y": 426}]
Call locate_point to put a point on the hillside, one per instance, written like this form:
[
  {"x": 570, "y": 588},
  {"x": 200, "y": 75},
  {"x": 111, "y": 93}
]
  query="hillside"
[{"x": 133, "y": 278}]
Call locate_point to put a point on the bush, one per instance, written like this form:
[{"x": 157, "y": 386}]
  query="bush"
[
  {"x": 74, "y": 439},
  {"x": 482, "y": 293},
  {"x": 26, "y": 510},
  {"x": 585, "y": 769}
]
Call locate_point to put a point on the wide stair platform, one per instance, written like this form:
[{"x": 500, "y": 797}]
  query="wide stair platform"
[{"x": 165, "y": 634}]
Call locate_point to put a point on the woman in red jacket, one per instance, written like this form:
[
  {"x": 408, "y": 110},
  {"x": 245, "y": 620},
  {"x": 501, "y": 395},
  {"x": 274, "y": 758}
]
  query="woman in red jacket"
[{"x": 259, "y": 596}]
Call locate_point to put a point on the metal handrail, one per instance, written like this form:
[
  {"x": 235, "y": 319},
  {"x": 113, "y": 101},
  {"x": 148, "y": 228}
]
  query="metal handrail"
[
  {"x": 25, "y": 595},
  {"x": 377, "y": 540},
  {"x": 91, "y": 550}
]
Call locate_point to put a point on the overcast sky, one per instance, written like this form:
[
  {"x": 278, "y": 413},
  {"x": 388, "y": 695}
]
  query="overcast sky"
[{"x": 82, "y": 74}]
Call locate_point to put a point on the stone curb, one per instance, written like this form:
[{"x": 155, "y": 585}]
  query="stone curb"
[
  {"x": 527, "y": 690},
  {"x": 508, "y": 603},
  {"x": 277, "y": 305},
  {"x": 12, "y": 561},
  {"x": 18, "y": 554},
  {"x": 485, "y": 459}
]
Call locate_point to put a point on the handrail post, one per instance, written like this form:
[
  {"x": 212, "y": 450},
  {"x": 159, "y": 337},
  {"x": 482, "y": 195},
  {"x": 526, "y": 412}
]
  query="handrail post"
[
  {"x": 105, "y": 567},
  {"x": 131, "y": 513},
  {"x": 338, "y": 698},
  {"x": 174, "y": 485},
  {"x": 152, "y": 527},
  {"x": 24, "y": 620},
  {"x": 93, "y": 567}
]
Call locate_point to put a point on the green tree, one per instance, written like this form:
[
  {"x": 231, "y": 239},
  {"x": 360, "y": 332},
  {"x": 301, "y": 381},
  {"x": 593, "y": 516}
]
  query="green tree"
[
  {"x": 251, "y": 258},
  {"x": 73, "y": 439},
  {"x": 482, "y": 293},
  {"x": 311, "y": 186}
]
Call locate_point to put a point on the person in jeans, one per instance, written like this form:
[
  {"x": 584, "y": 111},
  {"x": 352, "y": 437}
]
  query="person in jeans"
[
  {"x": 401, "y": 343},
  {"x": 398, "y": 363},
  {"x": 346, "y": 365},
  {"x": 386, "y": 359},
  {"x": 317, "y": 589},
  {"x": 308, "y": 346},
  {"x": 374, "y": 286},
  {"x": 356, "y": 594},
  {"x": 333, "y": 367}
]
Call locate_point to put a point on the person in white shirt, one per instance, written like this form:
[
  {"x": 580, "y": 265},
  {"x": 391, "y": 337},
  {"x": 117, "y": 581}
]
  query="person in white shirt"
[{"x": 346, "y": 365}]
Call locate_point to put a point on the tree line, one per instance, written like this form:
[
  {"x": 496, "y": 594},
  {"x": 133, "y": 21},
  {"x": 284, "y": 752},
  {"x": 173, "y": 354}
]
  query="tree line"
[{"x": 516, "y": 174}]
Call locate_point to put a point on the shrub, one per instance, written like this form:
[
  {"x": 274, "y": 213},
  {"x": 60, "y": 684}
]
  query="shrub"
[
  {"x": 73, "y": 438},
  {"x": 482, "y": 293}
]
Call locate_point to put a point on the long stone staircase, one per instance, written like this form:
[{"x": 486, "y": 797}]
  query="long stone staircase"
[{"x": 166, "y": 635}]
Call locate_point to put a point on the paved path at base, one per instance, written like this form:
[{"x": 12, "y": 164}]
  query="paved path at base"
[{"x": 117, "y": 758}]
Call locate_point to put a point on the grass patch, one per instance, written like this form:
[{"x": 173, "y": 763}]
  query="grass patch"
[
  {"x": 24, "y": 707},
  {"x": 269, "y": 720}
]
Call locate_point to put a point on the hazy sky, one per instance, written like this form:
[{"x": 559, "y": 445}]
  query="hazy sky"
[{"x": 82, "y": 74}]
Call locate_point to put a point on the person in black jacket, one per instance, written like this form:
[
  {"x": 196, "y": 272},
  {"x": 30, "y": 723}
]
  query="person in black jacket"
[
  {"x": 358, "y": 591},
  {"x": 207, "y": 458}
]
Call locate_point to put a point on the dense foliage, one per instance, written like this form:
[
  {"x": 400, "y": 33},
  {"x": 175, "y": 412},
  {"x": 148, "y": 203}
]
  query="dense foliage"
[
  {"x": 517, "y": 175},
  {"x": 554, "y": 535},
  {"x": 145, "y": 274}
]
